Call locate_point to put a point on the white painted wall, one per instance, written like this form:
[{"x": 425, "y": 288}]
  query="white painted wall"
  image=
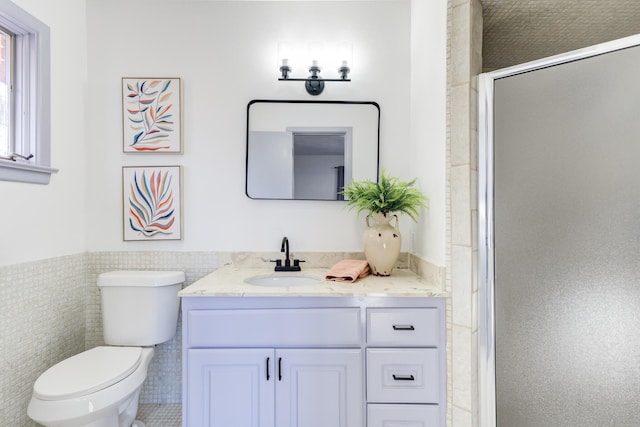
[
  {"x": 226, "y": 55},
  {"x": 429, "y": 123},
  {"x": 47, "y": 221}
]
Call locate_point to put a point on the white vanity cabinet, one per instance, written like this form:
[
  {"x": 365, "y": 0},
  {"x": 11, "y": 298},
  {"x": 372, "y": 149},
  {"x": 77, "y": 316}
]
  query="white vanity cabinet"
[
  {"x": 274, "y": 387},
  {"x": 258, "y": 366},
  {"x": 287, "y": 361}
]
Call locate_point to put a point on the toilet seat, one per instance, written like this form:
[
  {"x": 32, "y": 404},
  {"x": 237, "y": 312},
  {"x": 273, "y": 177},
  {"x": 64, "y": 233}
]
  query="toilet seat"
[{"x": 87, "y": 372}]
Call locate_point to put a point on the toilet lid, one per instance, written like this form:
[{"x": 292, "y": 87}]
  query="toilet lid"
[{"x": 87, "y": 372}]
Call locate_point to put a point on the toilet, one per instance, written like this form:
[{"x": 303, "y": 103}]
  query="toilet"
[{"x": 100, "y": 387}]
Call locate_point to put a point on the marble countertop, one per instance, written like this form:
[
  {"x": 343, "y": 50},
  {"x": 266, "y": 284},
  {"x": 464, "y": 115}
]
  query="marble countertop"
[{"x": 229, "y": 281}]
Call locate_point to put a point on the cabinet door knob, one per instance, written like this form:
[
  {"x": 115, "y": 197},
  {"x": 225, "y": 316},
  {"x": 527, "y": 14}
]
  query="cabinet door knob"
[
  {"x": 279, "y": 368},
  {"x": 403, "y": 377},
  {"x": 403, "y": 328}
]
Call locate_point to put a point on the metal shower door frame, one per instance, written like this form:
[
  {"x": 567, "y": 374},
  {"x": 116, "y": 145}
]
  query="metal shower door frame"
[{"x": 486, "y": 261}]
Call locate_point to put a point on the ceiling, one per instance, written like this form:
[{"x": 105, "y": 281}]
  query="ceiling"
[{"x": 518, "y": 31}]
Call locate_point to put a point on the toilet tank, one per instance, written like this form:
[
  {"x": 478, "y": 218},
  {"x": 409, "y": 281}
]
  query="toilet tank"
[{"x": 139, "y": 308}]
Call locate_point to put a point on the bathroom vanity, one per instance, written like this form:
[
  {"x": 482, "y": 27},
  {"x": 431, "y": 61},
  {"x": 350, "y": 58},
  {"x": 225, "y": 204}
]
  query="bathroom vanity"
[{"x": 370, "y": 353}]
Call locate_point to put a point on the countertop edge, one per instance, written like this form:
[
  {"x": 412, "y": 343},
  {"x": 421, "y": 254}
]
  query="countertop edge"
[{"x": 229, "y": 281}]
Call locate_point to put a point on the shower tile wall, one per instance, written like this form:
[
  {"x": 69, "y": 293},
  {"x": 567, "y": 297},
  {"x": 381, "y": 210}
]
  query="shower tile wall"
[
  {"x": 464, "y": 64},
  {"x": 42, "y": 322}
]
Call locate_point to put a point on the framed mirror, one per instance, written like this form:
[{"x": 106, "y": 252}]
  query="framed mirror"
[{"x": 309, "y": 150}]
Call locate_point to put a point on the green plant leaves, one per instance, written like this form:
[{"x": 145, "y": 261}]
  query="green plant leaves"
[{"x": 389, "y": 194}]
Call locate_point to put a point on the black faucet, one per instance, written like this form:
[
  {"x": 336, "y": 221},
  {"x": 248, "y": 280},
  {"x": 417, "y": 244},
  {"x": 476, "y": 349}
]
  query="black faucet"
[
  {"x": 285, "y": 249},
  {"x": 287, "y": 261}
]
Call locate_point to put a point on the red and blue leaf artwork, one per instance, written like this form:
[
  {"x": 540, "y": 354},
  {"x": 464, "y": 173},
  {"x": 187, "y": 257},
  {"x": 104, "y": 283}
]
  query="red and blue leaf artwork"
[
  {"x": 151, "y": 203},
  {"x": 151, "y": 115}
]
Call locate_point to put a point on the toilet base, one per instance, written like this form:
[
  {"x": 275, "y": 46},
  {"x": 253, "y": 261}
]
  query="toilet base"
[
  {"x": 115, "y": 406},
  {"x": 111, "y": 420},
  {"x": 122, "y": 416}
]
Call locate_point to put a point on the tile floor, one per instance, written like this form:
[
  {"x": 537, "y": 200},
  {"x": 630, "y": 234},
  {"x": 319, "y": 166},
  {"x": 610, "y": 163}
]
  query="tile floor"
[{"x": 155, "y": 415}]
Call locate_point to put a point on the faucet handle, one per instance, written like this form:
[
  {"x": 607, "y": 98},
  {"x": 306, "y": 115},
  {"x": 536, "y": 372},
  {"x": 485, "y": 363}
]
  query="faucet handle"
[
  {"x": 277, "y": 261},
  {"x": 296, "y": 262}
]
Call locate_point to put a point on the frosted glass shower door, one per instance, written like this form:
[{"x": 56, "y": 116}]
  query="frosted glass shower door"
[{"x": 566, "y": 229}]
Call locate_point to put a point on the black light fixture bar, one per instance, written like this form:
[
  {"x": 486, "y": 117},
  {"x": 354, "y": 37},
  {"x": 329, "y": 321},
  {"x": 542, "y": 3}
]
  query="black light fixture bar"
[
  {"x": 314, "y": 83},
  {"x": 314, "y": 80}
]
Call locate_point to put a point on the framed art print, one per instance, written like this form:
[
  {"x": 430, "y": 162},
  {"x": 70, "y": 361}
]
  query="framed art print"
[
  {"x": 152, "y": 202},
  {"x": 151, "y": 115}
]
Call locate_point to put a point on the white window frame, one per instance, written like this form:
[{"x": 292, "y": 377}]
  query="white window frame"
[{"x": 31, "y": 118}]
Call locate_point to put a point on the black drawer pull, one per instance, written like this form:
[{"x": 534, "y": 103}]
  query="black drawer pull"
[
  {"x": 279, "y": 368},
  {"x": 403, "y": 328},
  {"x": 403, "y": 377}
]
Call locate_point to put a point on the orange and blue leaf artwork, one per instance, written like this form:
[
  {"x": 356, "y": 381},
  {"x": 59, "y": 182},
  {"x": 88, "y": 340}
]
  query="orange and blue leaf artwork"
[
  {"x": 151, "y": 203},
  {"x": 151, "y": 115}
]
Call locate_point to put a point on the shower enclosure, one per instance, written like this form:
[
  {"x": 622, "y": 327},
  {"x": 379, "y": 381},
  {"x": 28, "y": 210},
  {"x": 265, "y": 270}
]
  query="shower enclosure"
[{"x": 559, "y": 240}]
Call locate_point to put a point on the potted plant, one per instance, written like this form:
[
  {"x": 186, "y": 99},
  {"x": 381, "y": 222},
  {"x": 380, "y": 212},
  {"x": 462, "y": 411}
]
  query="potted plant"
[{"x": 383, "y": 200}]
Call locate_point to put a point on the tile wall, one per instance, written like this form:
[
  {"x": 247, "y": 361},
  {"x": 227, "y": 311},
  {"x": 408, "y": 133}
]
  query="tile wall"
[
  {"x": 464, "y": 64},
  {"x": 43, "y": 322}
]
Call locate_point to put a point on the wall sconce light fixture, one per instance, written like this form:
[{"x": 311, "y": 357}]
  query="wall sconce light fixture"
[{"x": 314, "y": 83}]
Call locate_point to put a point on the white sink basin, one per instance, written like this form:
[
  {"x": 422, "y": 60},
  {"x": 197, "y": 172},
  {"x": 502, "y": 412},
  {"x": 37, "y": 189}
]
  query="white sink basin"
[{"x": 282, "y": 280}]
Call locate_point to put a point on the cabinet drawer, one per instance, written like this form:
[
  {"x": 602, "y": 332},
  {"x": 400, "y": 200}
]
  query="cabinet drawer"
[
  {"x": 403, "y": 375},
  {"x": 403, "y": 415},
  {"x": 337, "y": 327},
  {"x": 403, "y": 327}
]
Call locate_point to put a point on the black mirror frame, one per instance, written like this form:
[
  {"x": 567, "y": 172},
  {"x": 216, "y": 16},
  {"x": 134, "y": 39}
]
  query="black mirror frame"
[{"x": 296, "y": 101}]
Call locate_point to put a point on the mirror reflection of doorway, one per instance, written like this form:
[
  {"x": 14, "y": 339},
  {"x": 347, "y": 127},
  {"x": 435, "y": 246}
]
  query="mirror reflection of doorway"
[{"x": 319, "y": 159}]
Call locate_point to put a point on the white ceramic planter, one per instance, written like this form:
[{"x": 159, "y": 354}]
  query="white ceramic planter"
[{"x": 382, "y": 243}]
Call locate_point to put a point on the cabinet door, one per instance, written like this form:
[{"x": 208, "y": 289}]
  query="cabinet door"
[
  {"x": 319, "y": 388},
  {"x": 230, "y": 388}
]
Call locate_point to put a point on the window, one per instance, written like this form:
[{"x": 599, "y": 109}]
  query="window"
[
  {"x": 6, "y": 40},
  {"x": 25, "y": 131}
]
